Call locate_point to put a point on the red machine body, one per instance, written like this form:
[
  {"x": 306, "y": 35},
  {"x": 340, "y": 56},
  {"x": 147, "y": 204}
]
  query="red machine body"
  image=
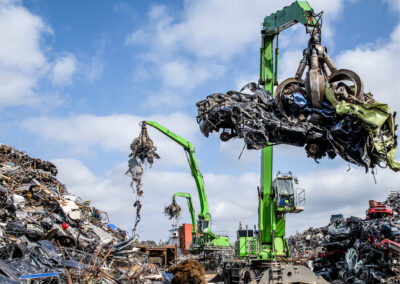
[{"x": 377, "y": 210}]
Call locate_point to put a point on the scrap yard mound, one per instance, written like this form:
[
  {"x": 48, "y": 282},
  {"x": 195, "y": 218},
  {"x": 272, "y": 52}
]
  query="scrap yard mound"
[
  {"x": 51, "y": 236},
  {"x": 354, "y": 250}
]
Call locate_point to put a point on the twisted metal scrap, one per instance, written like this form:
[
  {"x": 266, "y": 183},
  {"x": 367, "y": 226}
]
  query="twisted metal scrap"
[
  {"x": 143, "y": 152},
  {"x": 173, "y": 210},
  {"x": 255, "y": 116}
]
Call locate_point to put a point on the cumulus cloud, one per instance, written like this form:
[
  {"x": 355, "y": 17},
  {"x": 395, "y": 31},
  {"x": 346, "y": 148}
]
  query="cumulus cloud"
[
  {"x": 377, "y": 64},
  {"x": 202, "y": 39},
  {"x": 64, "y": 69},
  {"x": 183, "y": 74},
  {"x": 338, "y": 191},
  {"x": 114, "y": 195},
  {"x": 232, "y": 198},
  {"x": 211, "y": 29},
  {"x": 113, "y": 133},
  {"x": 22, "y": 61}
]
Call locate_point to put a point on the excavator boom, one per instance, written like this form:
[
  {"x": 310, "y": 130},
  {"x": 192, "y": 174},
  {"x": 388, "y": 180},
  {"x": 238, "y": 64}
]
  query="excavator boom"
[
  {"x": 191, "y": 210},
  {"x": 204, "y": 214}
]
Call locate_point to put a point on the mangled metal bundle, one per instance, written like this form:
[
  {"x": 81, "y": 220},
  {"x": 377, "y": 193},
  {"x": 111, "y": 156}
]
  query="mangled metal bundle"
[
  {"x": 51, "y": 236},
  {"x": 354, "y": 250},
  {"x": 143, "y": 152},
  {"x": 173, "y": 210},
  {"x": 328, "y": 113}
]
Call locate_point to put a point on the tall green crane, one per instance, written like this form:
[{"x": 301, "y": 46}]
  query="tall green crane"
[
  {"x": 207, "y": 238},
  {"x": 271, "y": 221},
  {"x": 263, "y": 248}
]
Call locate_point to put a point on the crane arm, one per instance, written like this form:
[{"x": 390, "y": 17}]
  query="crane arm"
[
  {"x": 272, "y": 228},
  {"x": 297, "y": 12},
  {"x": 191, "y": 209},
  {"x": 204, "y": 214}
]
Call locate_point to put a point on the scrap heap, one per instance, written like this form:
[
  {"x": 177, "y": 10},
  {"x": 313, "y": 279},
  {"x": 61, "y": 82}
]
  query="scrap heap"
[
  {"x": 48, "y": 234},
  {"x": 354, "y": 250},
  {"x": 361, "y": 131},
  {"x": 328, "y": 113}
]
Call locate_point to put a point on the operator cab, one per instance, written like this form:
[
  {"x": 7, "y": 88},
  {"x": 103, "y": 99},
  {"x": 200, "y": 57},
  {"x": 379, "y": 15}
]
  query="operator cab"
[
  {"x": 287, "y": 198},
  {"x": 203, "y": 225}
]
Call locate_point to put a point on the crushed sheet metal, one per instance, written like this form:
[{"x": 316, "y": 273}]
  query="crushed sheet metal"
[{"x": 361, "y": 134}]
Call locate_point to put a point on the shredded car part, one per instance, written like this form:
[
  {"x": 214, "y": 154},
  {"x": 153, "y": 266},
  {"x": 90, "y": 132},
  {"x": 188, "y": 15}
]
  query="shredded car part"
[
  {"x": 362, "y": 133},
  {"x": 143, "y": 152},
  {"x": 172, "y": 210}
]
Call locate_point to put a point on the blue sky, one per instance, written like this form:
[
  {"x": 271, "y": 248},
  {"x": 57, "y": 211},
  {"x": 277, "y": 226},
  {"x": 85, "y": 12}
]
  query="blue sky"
[{"x": 78, "y": 76}]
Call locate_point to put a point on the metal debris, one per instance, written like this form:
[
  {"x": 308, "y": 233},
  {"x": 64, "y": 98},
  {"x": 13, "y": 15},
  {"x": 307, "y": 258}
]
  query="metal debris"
[
  {"x": 354, "y": 250},
  {"x": 173, "y": 210},
  {"x": 143, "y": 153},
  {"x": 361, "y": 133},
  {"x": 50, "y": 236}
]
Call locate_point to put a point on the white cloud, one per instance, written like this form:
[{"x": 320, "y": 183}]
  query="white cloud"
[
  {"x": 231, "y": 198},
  {"x": 214, "y": 28},
  {"x": 378, "y": 66},
  {"x": 196, "y": 43},
  {"x": 94, "y": 70},
  {"x": 64, "y": 69},
  {"x": 113, "y": 133},
  {"x": 22, "y": 61},
  {"x": 114, "y": 195},
  {"x": 339, "y": 191},
  {"x": 182, "y": 74}
]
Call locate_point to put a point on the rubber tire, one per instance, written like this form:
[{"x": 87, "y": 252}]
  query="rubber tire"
[{"x": 227, "y": 276}]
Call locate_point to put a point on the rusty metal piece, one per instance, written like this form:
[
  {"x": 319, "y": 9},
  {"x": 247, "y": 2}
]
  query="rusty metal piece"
[
  {"x": 286, "y": 87},
  {"x": 348, "y": 75},
  {"x": 315, "y": 83}
]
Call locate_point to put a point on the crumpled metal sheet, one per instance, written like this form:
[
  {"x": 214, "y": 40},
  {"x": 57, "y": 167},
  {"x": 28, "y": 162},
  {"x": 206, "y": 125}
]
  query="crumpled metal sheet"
[
  {"x": 362, "y": 134},
  {"x": 351, "y": 251}
]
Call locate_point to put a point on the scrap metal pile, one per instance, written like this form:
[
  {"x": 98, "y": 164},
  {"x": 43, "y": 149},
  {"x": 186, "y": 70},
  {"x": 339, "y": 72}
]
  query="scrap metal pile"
[
  {"x": 49, "y": 235},
  {"x": 354, "y": 250},
  {"x": 328, "y": 113}
]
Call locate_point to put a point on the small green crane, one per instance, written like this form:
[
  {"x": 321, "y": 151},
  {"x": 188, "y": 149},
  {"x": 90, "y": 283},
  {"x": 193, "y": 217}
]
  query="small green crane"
[
  {"x": 207, "y": 237},
  {"x": 191, "y": 211}
]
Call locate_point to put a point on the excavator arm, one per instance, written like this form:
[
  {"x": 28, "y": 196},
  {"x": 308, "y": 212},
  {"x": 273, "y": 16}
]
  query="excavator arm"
[
  {"x": 191, "y": 210},
  {"x": 271, "y": 227},
  {"x": 204, "y": 215}
]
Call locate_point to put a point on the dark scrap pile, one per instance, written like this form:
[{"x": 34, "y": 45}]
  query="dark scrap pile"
[
  {"x": 143, "y": 152},
  {"x": 49, "y": 235},
  {"x": 188, "y": 272},
  {"x": 362, "y": 133},
  {"x": 173, "y": 210},
  {"x": 328, "y": 113},
  {"x": 354, "y": 250}
]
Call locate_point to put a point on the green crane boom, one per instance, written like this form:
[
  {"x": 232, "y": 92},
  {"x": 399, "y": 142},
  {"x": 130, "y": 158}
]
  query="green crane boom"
[
  {"x": 191, "y": 210},
  {"x": 271, "y": 224},
  {"x": 204, "y": 214}
]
